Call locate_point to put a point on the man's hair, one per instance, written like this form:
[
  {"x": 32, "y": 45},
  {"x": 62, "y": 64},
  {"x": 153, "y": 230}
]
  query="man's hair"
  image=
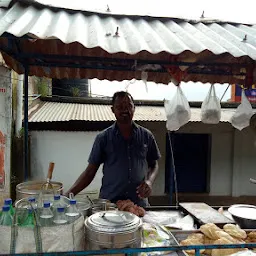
[{"x": 121, "y": 94}]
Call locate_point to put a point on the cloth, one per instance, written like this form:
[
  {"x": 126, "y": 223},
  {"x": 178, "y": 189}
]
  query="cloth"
[{"x": 125, "y": 162}]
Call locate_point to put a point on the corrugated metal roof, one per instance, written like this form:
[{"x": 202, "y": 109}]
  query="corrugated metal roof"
[
  {"x": 139, "y": 38},
  {"x": 61, "y": 112}
]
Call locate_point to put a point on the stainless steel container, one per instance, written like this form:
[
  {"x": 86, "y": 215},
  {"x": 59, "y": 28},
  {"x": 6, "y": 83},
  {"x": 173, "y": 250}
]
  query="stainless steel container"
[
  {"x": 33, "y": 188},
  {"x": 103, "y": 207},
  {"x": 113, "y": 229},
  {"x": 100, "y": 201}
]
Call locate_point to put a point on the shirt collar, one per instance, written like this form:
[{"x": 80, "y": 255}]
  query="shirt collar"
[{"x": 116, "y": 129}]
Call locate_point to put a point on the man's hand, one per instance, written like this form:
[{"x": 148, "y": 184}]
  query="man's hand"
[{"x": 144, "y": 189}]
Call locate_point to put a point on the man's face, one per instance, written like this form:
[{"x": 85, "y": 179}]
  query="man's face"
[{"x": 123, "y": 109}]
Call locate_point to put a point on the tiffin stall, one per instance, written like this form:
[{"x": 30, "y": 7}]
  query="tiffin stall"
[{"x": 122, "y": 47}]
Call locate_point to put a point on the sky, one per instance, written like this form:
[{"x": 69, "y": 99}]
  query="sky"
[{"x": 228, "y": 10}]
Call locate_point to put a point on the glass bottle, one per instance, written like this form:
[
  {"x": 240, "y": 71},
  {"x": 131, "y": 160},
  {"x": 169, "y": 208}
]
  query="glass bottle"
[
  {"x": 8, "y": 201},
  {"x": 60, "y": 218},
  {"x": 46, "y": 215},
  {"x": 29, "y": 221},
  {"x": 72, "y": 211},
  {"x": 6, "y": 217}
]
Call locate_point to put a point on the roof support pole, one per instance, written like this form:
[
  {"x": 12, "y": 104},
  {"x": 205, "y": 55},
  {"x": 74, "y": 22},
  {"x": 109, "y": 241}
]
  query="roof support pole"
[{"x": 26, "y": 153}]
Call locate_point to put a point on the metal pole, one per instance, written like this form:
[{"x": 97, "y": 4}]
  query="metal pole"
[{"x": 26, "y": 156}]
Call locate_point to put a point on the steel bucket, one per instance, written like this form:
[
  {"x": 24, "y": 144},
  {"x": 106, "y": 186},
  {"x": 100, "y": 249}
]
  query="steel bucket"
[{"x": 33, "y": 188}]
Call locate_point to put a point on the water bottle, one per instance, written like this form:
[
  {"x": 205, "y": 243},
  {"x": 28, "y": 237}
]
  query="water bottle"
[
  {"x": 72, "y": 211},
  {"x": 29, "y": 221},
  {"x": 56, "y": 204},
  {"x": 6, "y": 217},
  {"x": 8, "y": 201},
  {"x": 32, "y": 202},
  {"x": 46, "y": 216},
  {"x": 60, "y": 218}
]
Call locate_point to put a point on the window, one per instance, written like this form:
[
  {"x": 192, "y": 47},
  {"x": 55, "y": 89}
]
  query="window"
[{"x": 192, "y": 162}]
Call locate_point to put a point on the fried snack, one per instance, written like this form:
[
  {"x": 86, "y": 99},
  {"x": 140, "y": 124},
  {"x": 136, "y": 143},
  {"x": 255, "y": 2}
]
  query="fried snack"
[
  {"x": 252, "y": 235},
  {"x": 223, "y": 234},
  {"x": 208, "y": 241},
  {"x": 235, "y": 231},
  {"x": 209, "y": 230},
  {"x": 224, "y": 252},
  {"x": 129, "y": 206},
  {"x": 197, "y": 236},
  {"x": 191, "y": 242}
]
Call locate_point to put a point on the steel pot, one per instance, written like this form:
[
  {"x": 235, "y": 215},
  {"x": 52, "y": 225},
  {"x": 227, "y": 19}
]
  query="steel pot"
[
  {"x": 100, "y": 201},
  {"x": 103, "y": 207},
  {"x": 113, "y": 229},
  {"x": 33, "y": 188}
]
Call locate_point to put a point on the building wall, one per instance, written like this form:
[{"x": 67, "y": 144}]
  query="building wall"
[
  {"x": 244, "y": 162},
  {"x": 232, "y": 156},
  {"x": 5, "y": 131},
  {"x": 68, "y": 150},
  {"x": 221, "y": 154}
]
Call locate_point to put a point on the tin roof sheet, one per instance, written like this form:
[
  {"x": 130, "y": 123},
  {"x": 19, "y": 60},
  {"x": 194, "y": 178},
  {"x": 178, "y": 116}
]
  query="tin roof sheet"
[
  {"x": 62, "y": 112},
  {"x": 88, "y": 34}
]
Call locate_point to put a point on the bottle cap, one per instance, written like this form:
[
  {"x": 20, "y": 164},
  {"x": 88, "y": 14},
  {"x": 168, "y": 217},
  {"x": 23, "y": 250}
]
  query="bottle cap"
[
  {"x": 72, "y": 201},
  {"x": 8, "y": 201},
  {"x": 6, "y": 208},
  {"x": 47, "y": 204},
  {"x": 60, "y": 209},
  {"x": 56, "y": 197},
  {"x": 31, "y": 199}
]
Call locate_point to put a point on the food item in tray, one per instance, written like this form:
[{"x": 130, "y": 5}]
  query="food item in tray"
[
  {"x": 208, "y": 241},
  {"x": 252, "y": 235},
  {"x": 223, "y": 234},
  {"x": 191, "y": 242},
  {"x": 209, "y": 230},
  {"x": 224, "y": 252},
  {"x": 129, "y": 206},
  {"x": 197, "y": 236},
  {"x": 235, "y": 231},
  {"x": 212, "y": 234},
  {"x": 251, "y": 238}
]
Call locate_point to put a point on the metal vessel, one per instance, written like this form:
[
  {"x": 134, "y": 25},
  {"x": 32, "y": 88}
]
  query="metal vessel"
[
  {"x": 113, "y": 229},
  {"x": 33, "y": 188}
]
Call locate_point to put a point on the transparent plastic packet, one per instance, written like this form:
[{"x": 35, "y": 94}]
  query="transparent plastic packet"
[
  {"x": 211, "y": 108},
  {"x": 177, "y": 111}
]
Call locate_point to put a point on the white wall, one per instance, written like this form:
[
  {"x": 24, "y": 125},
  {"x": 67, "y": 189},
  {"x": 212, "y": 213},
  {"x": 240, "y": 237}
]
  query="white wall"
[
  {"x": 244, "y": 162},
  {"x": 68, "y": 150}
]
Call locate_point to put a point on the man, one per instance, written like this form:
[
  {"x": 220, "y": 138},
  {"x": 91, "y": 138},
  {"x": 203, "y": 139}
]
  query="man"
[{"x": 129, "y": 154}]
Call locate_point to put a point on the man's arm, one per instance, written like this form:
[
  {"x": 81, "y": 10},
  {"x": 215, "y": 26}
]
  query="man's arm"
[
  {"x": 144, "y": 189},
  {"x": 84, "y": 179},
  {"x": 152, "y": 171}
]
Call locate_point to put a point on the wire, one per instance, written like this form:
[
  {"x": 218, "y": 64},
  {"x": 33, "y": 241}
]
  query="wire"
[
  {"x": 174, "y": 173},
  {"x": 224, "y": 93}
]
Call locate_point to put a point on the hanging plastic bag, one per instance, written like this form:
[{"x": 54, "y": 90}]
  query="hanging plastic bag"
[
  {"x": 243, "y": 114},
  {"x": 177, "y": 111},
  {"x": 211, "y": 108}
]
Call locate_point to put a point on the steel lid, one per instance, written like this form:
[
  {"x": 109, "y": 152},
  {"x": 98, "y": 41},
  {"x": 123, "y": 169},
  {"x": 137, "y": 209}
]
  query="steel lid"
[{"x": 113, "y": 221}]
